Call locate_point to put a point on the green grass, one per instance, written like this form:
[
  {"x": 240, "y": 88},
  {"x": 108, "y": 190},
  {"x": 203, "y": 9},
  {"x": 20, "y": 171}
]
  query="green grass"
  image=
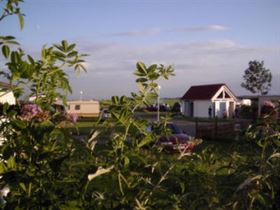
[
  {"x": 83, "y": 126},
  {"x": 169, "y": 101},
  {"x": 201, "y": 119}
]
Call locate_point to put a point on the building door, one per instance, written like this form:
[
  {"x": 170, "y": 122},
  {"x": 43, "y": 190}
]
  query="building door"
[
  {"x": 231, "y": 109},
  {"x": 223, "y": 110},
  {"x": 191, "y": 109}
]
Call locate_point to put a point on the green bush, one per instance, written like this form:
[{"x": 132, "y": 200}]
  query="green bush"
[{"x": 116, "y": 167}]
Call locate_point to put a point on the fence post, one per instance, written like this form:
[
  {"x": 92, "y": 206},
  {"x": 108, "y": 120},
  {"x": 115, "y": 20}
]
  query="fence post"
[
  {"x": 216, "y": 127},
  {"x": 196, "y": 127}
]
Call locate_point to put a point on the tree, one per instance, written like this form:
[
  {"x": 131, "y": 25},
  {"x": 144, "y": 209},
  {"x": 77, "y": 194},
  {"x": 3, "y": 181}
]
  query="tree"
[
  {"x": 176, "y": 107},
  {"x": 257, "y": 78}
]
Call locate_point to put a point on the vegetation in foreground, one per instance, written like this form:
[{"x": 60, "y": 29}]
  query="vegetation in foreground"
[{"x": 44, "y": 167}]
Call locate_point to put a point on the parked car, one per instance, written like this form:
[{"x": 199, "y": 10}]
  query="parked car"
[{"x": 176, "y": 140}]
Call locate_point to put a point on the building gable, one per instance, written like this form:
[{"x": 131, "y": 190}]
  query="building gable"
[
  {"x": 224, "y": 93},
  {"x": 202, "y": 92}
]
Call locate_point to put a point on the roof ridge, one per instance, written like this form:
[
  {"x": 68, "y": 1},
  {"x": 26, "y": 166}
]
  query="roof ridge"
[
  {"x": 202, "y": 92},
  {"x": 215, "y": 84}
]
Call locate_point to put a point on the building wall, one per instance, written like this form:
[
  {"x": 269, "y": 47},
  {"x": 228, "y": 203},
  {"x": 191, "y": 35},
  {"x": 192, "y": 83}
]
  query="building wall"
[
  {"x": 7, "y": 97},
  {"x": 221, "y": 108},
  {"x": 185, "y": 106},
  {"x": 224, "y": 108},
  {"x": 201, "y": 108},
  {"x": 86, "y": 108}
]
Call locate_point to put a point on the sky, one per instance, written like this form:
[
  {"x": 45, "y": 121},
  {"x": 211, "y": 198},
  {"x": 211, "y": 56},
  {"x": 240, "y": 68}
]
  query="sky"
[{"x": 206, "y": 41}]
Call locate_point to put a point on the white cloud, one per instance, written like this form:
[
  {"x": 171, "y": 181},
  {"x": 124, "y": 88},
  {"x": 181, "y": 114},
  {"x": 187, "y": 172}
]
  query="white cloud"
[
  {"x": 111, "y": 66},
  {"x": 206, "y": 28},
  {"x": 157, "y": 31},
  {"x": 146, "y": 32},
  {"x": 217, "y": 28}
]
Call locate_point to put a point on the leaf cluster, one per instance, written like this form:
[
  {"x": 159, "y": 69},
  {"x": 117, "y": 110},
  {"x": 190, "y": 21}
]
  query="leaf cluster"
[
  {"x": 257, "y": 78},
  {"x": 44, "y": 77}
]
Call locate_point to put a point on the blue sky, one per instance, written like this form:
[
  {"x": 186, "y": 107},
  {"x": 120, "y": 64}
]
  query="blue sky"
[{"x": 206, "y": 41}]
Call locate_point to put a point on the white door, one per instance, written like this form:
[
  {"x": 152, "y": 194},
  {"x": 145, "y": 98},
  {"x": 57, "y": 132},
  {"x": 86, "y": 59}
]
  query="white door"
[{"x": 223, "y": 110}]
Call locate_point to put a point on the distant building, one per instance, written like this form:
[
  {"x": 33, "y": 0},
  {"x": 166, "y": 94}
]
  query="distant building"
[
  {"x": 6, "y": 96},
  {"x": 90, "y": 108},
  {"x": 214, "y": 100},
  {"x": 259, "y": 101}
]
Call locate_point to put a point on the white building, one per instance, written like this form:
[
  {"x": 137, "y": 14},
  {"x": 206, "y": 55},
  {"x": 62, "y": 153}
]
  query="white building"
[
  {"x": 259, "y": 100},
  {"x": 82, "y": 108},
  {"x": 215, "y": 100},
  {"x": 6, "y": 96}
]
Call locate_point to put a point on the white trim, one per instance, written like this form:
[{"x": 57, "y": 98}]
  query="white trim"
[
  {"x": 217, "y": 94},
  {"x": 224, "y": 89}
]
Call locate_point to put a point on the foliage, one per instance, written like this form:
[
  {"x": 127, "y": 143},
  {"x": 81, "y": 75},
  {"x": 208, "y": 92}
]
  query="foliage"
[
  {"x": 257, "y": 78},
  {"x": 176, "y": 107},
  {"x": 12, "y": 7},
  {"x": 248, "y": 112},
  {"x": 261, "y": 188},
  {"x": 118, "y": 166}
]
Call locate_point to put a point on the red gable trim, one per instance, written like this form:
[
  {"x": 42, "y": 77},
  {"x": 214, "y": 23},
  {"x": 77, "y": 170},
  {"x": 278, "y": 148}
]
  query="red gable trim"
[{"x": 202, "y": 92}]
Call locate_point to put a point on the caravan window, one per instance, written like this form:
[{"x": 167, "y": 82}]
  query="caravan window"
[{"x": 77, "y": 107}]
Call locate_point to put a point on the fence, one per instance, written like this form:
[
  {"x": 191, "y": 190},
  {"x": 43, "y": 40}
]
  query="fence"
[{"x": 218, "y": 129}]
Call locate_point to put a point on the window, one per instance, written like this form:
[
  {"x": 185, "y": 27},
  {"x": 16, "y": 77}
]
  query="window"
[
  {"x": 221, "y": 95},
  {"x": 227, "y": 95},
  {"x": 77, "y": 107}
]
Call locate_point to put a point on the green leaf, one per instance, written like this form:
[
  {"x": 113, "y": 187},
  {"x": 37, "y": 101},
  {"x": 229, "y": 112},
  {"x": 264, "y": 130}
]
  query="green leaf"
[
  {"x": 64, "y": 44},
  {"x": 31, "y": 60},
  {"x": 152, "y": 68},
  {"x": 79, "y": 67},
  {"x": 22, "y": 185},
  {"x": 146, "y": 140},
  {"x": 6, "y": 51},
  {"x": 3, "y": 168},
  {"x": 261, "y": 199},
  {"x": 15, "y": 57},
  {"x": 277, "y": 142},
  {"x": 123, "y": 100},
  {"x": 20, "y": 124},
  {"x": 120, "y": 183},
  {"x": 71, "y": 47},
  {"x": 141, "y": 80},
  {"x": 6, "y": 108},
  {"x": 11, "y": 163},
  {"x": 72, "y": 54},
  {"x": 7, "y": 38},
  {"x": 141, "y": 68},
  {"x": 59, "y": 54},
  {"x": 126, "y": 161},
  {"x": 153, "y": 76},
  {"x": 115, "y": 99},
  {"x": 21, "y": 21}
]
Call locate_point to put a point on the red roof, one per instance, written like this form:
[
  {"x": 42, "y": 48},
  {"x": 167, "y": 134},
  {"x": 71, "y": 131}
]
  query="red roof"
[{"x": 202, "y": 92}]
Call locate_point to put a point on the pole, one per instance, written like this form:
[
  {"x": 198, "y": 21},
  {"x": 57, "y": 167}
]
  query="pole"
[
  {"x": 158, "y": 108},
  {"x": 158, "y": 100},
  {"x": 81, "y": 95}
]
